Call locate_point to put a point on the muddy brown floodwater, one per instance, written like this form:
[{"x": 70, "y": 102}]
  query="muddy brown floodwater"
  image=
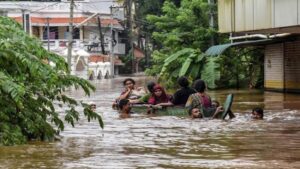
[{"x": 172, "y": 142}]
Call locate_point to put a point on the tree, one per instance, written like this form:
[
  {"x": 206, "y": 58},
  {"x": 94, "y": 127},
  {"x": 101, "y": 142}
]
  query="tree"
[
  {"x": 30, "y": 88},
  {"x": 183, "y": 33}
]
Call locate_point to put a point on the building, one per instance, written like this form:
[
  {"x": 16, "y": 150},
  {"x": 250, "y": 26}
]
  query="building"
[
  {"x": 273, "y": 24},
  {"x": 49, "y": 21}
]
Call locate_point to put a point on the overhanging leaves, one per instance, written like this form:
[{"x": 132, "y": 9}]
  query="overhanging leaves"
[{"x": 29, "y": 87}]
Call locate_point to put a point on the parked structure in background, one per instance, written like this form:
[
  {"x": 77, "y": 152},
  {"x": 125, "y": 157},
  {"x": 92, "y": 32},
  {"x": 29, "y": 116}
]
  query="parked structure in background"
[
  {"x": 38, "y": 17},
  {"x": 273, "y": 24}
]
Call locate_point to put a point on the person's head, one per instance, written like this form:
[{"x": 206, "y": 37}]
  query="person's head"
[
  {"x": 158, "y": 90},
  {"x": 183, "y": 81},
  {"x": 257, "y": 113},
  {"x": 129, "y": 83},
  {"x": 195, "y": 113},
  {"x": 215, "y": 104},
  {"x": 93, "y": 106},
  {"x": 124, "y": 105},
  {"x": 150, "y": 86},
  {"x": 199, "y": 86}
]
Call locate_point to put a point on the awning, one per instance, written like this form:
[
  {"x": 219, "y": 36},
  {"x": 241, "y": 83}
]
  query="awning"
[{"x": 219, "y": 49}]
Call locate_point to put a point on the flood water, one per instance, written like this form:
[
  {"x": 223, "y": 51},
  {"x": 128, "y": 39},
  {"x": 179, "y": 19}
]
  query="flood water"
[{"x": 172, "y": 142}]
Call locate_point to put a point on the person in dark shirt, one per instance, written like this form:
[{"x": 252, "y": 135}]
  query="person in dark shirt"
[{"x": 181, "y": 96}]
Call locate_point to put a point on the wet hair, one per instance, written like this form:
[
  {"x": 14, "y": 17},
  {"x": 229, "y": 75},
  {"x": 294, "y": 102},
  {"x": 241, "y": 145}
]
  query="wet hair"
[
  {"x": 259, "y": 110},
  {"x": 199, "y": 85},
  {"x": 150, "y": 86},
  {"x": 122, "y": 103},
  {"x": 128, "y": 79},
  {"x": 183, "y": 81}
]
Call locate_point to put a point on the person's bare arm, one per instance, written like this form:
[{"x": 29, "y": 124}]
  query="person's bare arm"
[
  {"x": 165, "y": 104},
  {"x": 217, "y": 112},
  {"x": 135, "y": 101},
  {"x": 125, "y": 95}
]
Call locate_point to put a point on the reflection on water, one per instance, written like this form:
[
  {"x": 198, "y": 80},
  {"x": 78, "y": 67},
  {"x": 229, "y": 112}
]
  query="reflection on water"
[{"x": 172, "y": 142}]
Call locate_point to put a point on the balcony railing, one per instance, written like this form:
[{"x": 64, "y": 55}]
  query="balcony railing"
[{"x": 92, "y": 47}]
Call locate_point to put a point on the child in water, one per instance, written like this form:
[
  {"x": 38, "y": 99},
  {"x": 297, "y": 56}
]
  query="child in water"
[{"x": 257, "y": 113}]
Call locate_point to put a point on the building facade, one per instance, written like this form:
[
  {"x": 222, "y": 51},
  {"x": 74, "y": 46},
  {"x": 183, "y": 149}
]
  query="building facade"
[
  {"x": 49, "y": 21},
  {"x": 276, "y": 25}
]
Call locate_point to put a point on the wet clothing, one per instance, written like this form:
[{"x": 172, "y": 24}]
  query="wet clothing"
[
  {"x": 181, "y": 96},
  {"x": 135, "y": 94},
  {"x": 164, "y": 98},
  {"x": 203, "y": 103},
  {"x": 155, "y": 100}
]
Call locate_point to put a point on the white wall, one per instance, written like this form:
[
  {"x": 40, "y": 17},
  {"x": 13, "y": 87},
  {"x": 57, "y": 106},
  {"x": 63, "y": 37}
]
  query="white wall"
[{"x": 251, "y": 15}]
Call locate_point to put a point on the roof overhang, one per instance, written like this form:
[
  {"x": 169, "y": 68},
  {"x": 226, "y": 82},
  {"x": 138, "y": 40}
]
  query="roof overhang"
[{"x": 219, "y": 49}]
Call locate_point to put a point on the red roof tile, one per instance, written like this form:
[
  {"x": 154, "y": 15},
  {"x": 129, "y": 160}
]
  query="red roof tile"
[{"x": 104, "y": 58}]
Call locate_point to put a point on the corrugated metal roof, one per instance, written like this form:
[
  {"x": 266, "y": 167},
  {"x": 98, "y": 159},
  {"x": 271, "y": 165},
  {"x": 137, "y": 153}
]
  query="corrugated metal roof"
[{"x": 219, "y": 49}]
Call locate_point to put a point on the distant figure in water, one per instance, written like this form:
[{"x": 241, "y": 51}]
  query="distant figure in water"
[
  {"x": 93, "y": 106},
  {"x": 125, "y": 107},
  {"x": 257, "y": 113}
]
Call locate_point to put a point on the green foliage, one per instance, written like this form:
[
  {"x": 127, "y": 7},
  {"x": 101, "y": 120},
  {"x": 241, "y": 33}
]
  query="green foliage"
[
  {"x": 211, "y": 74},
  {"x": 183, "y": 32},
  {"x": 241, "y": 68},
  {"x": 183, "y": 27},
  {"x": 29, "y": 87},
  {"x": 190, "y": 63}
]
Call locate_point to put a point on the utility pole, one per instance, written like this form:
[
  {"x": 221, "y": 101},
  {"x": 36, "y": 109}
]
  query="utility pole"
[
  {"x": 101, "y": 35},
  {"x": 128, "y": 8},
  {"x": 48, "y": 33},
  {"x": 112, "y": 59},
  {"x": 70, "y": 38}
]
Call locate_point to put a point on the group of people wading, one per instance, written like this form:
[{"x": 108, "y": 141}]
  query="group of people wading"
[{"x": 194, "y": 99}]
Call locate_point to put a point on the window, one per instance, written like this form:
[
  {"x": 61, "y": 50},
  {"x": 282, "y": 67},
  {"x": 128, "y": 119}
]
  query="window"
[{"x": 53, "y": 32}]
